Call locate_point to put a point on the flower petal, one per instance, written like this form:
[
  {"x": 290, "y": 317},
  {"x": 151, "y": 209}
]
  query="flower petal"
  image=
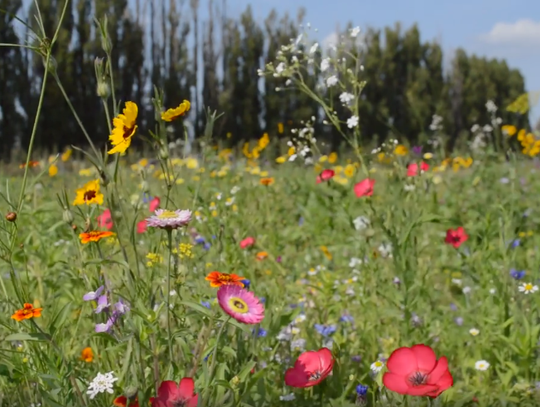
[
  {"x": 396, "y": 382},
  {"x": 167, "y": 390},
  {"x": 438, "y": 371},
  {"x": 402, "y": 362},
  {"x": 425, "y": 358},
  {"x": 186, "y": 388}
]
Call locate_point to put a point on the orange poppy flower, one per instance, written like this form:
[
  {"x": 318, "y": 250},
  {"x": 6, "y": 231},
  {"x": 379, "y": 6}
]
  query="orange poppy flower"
[
  {"x": 262, "y": 255},
  {"x": 87, "y": 355},
  {"x": 94, "y": 236},
  {"x": 218, "y": 279},
  {"x": 27, "y": 312},
  {"x": 31, "y": 164},
  {"x": 267, "y": 181},
  {"x": 123, "y": 401}
]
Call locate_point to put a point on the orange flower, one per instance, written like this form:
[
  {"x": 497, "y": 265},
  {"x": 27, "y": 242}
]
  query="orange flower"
[
  {"x": 267, "y": 181},
  {"x": 31, "y": 164},
  {"x": 262, "y": 255},
  {"x": 27, "y": 312},
  {"x": 87, "y": 355},
  {"x": 122, "y": 401},
  {"x": 218, "y": 279},
  {"x": 94, "y": 236}
]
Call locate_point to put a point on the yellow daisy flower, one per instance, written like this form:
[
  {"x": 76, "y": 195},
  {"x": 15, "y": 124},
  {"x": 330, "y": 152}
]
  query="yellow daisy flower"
[
  {"x": 124, "y": 128},
  {"x": 89, "y": 194},
  {"x": 173, "y": 114}
]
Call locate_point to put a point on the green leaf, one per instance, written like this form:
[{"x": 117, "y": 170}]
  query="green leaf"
[
  {"x": 34, "y": 336},
  {"x": 197, "y": 307}
]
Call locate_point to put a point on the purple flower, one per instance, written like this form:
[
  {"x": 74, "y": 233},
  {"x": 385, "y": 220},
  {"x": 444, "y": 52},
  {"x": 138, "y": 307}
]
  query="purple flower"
[
  {"x": 102, "y": 304},
  {"x": 325, "y": 330},
  {"x": 417, "y": 150},
  {"x": 459, "y": 321},
  {"x": 105, "y": 327},
  {"x": 278, "y": 259},
  {"x": 347, "y": 318},
  {"x": 120, "y": 307},
  {"x": 205, "y": 304},
  {"x": 93, "y": 295},
  {"x": 517, "y": 275}
]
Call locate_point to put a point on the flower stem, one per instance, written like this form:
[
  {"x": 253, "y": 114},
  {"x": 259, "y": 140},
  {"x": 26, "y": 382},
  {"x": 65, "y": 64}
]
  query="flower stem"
[
  {"x": 213, "y": 365},
  {"x": 169, "y": 237}
]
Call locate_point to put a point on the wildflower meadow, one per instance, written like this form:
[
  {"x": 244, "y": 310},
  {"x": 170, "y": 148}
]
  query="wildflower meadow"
[{"x": 276, "y": 272}]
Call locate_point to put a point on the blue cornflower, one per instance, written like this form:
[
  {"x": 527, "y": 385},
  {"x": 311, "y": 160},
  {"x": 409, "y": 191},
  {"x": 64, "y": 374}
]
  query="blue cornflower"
[
  {"x": 207, "y": 246},
  {"x": 361, "y": 390},
  {"x": 200, "y": 240},
  {"x": 517, "y": 275},
  {"x": 453, "y": 306},
  {"x": 262, "y": 300},
  {"x": 516, "y": 243},
  {"x": 205, "y": 304},
  {"x": 246, "y": 282},
  {"x": 261, "y": 333},
  {"x": 146, "y": 197},
  {"x": 301, "y": 221},
  {"x": 325, "y": 330},
  {"x": 346, "y": 318}
]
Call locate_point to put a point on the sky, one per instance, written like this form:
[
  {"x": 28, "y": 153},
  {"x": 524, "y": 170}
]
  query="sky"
[{"x": 508, "y": 29}]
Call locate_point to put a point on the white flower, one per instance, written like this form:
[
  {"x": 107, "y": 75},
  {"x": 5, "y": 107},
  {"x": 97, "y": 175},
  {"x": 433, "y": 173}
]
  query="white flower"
[
  {"x": 102, "y": 383},
  {"x": 385, "y": 249},
  {"x": 409, "y": 188},
  {"x": 219, "y": 195},
  {"x": 487, "y": 128},
  {"x": 331, "y": 81},
  {"x": 346, "y": 97},
  {"x": 288, "y": 397},
  {"x": 527, "y": 288},
  {"x": 491, "y": 106},
  {"x": 325, "y": 64},
  {"x": 474, "y": 331},
  {"x": 229, "y": 201},
  {"x": 172, "y": 293},
  {"x": 314, "y": 48},
  {"x": 300, "y": 318},
  {"x": 299, "y": 344},
  {"x": 352, "y": 122},
  {"x": 312, "y": 272},
  {"x": 377, "y": 366},
  {"x": 475, "y": 128},
  {"x": 280, "y": 68},
  {"x": 481, "y": 365},
  {"x": 456, "y": 281},
  {"x": 361, "y": 223},
  {"x": 350, "y": 291},
  {"x": 355, "y": 31},
  {"x": 492, "y": 291},
  {"x": 466, "y": 290},
  {"x": 355, "y": 261}
]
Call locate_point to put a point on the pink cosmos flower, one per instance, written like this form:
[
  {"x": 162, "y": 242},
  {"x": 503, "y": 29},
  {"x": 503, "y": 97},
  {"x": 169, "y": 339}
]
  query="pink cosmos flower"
[
  {"x": 310, "y": 368},
  {"x": 326, "y": 175},
  {"x": 171, "y": 394},
  {"x": 105, "y": 220},
  {"x": 165, "y": 219},
  {"x": 240, "y": 304},
  {"x": 247, "y": 242},
  {"x": 364, "y": 188},
  {"x": 412, "y": 169},
  {"x": 415, "y": 371}
]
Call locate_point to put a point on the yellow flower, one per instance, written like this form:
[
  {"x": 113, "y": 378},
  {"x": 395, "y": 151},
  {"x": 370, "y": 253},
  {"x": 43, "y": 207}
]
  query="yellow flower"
[
  {"x": 338, "y": 169},
  {"x": 332, "y": 158},
  {"x": 340, "y": 180},
  {"x": 245, "y": 150},
  {"x": 173, "y": 114},
  {"x": 280, "y": 128},
  {"x": 153, "y": 258},
  {"x": 521, "y": 135},
  {"x": 214, "y": 213},
  {"x": 66, "y": 154},
  {"x": 179, "y": 181},
  {"x": 383, "y": 158},
  {"x": 196, "y": 178},
  {"x": 229, "y": 134},
  {"x": 264, "y": 141},
  {"x": 192, "y": 163},
  {"x": 349, "y": 170},
  {"x": 184, "y": 251},
  {"x": 86, "y": 172},
  {"x": 221, "y": 173},
  {"x": 281, "y": 160},
  {"x": 256, "y": 171},
  {"x": 509, "y": 130},
  {"x": 401, "y": 150},
  {"x": 437, "y": 179},
  {"x": 263, "y": 174},
  {"x": 323, "y": 158},
  {"x": 53, "y": 170},
  {"x": 428, "y": 156},
  {"x": 318, "y": 168},
  {"x": 291, "y": 151},
  {"x": 124, "y": 128},
  {"x": 326, "y": 252},
  {"x": 89, "y": 194}
]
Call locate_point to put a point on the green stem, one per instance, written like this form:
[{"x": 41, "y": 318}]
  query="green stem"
[{"x": 169, "y": 236}]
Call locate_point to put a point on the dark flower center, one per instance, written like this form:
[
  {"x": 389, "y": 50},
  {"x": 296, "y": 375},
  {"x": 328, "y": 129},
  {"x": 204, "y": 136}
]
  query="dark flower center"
[
  {"x": 89, "y": 195},
  {"x": 314, "y": 376},
  {"x": 238, "y": 304},
  {"x": 418, "y": 379},
  {"x": 178, "y": 403},
  {"x": 456, "y": 239},
  {"x": 127, "y": 132}
]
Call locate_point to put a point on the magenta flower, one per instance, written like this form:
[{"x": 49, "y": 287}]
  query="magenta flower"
[
  {"x": 240, "y": 304},
  {"x": 93, "y": 295},
  {"x": 165, "y": 219}
]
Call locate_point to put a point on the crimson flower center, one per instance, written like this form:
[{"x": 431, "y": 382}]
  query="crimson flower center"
[
  {"x": 314, "y": 376},
  {"x": 456, "y": 239},
  {"x": 127, "y": 132},
  {"x": 178, "y": 403},
  {"x": 89, "y": 195},
  {"x": 418, "y": 378}
]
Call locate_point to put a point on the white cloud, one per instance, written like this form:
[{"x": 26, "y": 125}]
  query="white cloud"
[{"x": 523, "y": 32}]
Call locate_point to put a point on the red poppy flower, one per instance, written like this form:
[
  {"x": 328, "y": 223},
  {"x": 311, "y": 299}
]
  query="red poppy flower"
[
  {"x": 154, "y": 204},
  {"x": 123, "y": 401},
  {"x": 105, "y": 220},
  {"x": 172, "y": 394},
  {"x": 415, "y": 371},
  {"x": 364, "y": 188},
  {"x": 310, "y": 368},
  {"x": 326, "y": 175},
  {"x": 141, "y": 226},
  {"x": 412, "y": 169},
  {"x": 456, "y": 237},
  {"x": 247, "y": 242}
]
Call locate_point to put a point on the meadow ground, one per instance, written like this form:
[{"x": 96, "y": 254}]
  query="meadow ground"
[{"x": 359, "y": 275}]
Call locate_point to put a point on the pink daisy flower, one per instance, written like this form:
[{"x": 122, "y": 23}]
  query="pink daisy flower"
[
  {"x": 240, "y": 304},
  {"x": 166, "y": 219}
]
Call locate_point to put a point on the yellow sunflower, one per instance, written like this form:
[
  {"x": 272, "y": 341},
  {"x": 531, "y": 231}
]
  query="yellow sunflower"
[
  {"x": 89, "y": 194},
  {"x": 124, "y": 128},
  {"x": 173, "y": 114}
]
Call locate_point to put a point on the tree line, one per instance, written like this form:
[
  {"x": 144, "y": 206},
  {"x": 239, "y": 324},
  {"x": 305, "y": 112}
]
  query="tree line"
[{"x": 214, "y": 62}]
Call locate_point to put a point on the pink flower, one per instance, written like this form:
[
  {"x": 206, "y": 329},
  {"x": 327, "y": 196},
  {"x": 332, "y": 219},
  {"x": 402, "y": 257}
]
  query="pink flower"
[
  {"x": 141, "y": 226},
  {"x": 326, "y": 175},
  {"x": 154, "y": 204},
  {"x": 364, "y": 188},
  {"x": 240, "y": 304},
  {"x": 310, "y": 368},
  {"x": 412, "y": 169},
  {"x": 165, "y": 219},
  {"x": 247, "y": 242},
  {"x": 415, "y": 371},
  {"x": 456, "y": 237},
  {"x": 171, "y": 394},
  {"x": 105, "y": 220}
]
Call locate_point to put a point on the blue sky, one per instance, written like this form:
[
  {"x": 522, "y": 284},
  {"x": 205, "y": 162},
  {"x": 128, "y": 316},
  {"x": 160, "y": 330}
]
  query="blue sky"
[{"x": 508, "y": 29}]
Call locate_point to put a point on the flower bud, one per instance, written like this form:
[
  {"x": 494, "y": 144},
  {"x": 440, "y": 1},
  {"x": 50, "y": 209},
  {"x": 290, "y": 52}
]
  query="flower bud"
[
  {"x": 67, "y": 216},
  {"x": 145, "y": 187},
  {"x": 164, "y": 153},
  {"x": 103, "y": 89},
  {"x": 11, "y": 217}
]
